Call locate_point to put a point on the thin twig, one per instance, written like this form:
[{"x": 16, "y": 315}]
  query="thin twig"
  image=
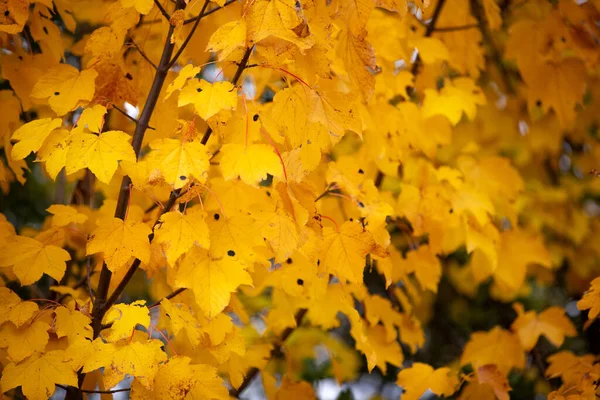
[
  {"x": 129, "y": 117},
  {"x": 168, "y": 297},
  {"x": 202, "y": 15},
  {"x": 189, "y": 36},
  {"x": 143, "y": 54},
  {"x": 162, "y": 10},
  {"x": 456, "y": 28},
  {"x": 94, "y": 391}
]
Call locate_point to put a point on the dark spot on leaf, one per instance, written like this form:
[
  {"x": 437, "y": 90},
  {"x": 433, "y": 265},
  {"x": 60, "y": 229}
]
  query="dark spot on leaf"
[
  {"x": 183, "y": 177},
  {"x": 128, "y": 76},
  {"x": 360, "y": 171},
  {"x": 6, "y": 13},
  {"x": 318, "y": 262},
  {"x": 56, "y": 93},
  {"x": 300, "y": 282},
  {"x": 538, "y": 103},
  {"x": 563, "y": 39},
  {"x": 289, "y": 261},
  {"x": 351, "y": 219},
  {"x": 230, "y": 253},
  {"x": 255, "y": 118},
  {"x": 45, "y": 30},
  {"x": 199, "y": 90},
  {"x": 413, "y": 28},
  {"x": 451, "y": 210},
  {"x": 268, "y": 193},
  {"x": 361, "y": 204},
  {"x": 216, "y": 216}
]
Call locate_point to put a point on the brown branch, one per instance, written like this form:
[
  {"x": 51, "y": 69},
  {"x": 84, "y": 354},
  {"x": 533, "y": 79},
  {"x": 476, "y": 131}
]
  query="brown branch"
[
  {"x": 189, "y": 36},
  {"x": 100, "y": 305},
  {"x": 252, "y": 372},
  {"x": 202, "y": 15}
]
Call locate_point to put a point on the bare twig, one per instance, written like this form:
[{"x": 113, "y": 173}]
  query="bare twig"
[
  {"x": 169, "y": 296},
  {"x": 162, "y": 10},
  {"x": 129, "y": 117},
  {"x": 202, "y": 15},
  {"x": 189, "y": 36},
  {"x": 142, "y": 53},
  {"x": 94, "y": 391}
]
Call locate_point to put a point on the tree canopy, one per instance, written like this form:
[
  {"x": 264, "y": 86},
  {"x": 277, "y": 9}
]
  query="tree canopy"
[{"x": 214, "y": 199}]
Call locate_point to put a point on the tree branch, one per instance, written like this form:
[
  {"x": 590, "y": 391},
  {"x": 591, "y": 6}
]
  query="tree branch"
[
  {"x": 202, "y": 15},
  {"x": 129, "y": 117},
  {"x": 252, "y": 372},
  {"x": 94, "y": 391},
  {"x": 143, "y": 54},
  {"x": 169, "y": 296},
  {"x": 162, "y": 10},
  {"x": 456, "y": 28},
  {"x": 100, "y": 305},
  {"x": 189, "y": 36}
]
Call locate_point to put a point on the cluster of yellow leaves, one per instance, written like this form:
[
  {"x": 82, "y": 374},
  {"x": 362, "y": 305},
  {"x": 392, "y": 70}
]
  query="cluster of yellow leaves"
[{"x": 299, "y": 146}]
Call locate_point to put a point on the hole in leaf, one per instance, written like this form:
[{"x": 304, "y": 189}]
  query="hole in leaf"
[
  {"x": 255, "y": 117},
  {"x": 183, "y": 177}
]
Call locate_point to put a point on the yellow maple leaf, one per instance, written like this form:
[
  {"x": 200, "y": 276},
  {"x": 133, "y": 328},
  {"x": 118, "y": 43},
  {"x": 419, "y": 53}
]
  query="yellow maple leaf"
[
  {"x": 32, "y": 135},
  {"x": 251, "y": 163},
  {"x": 54, "y": 151},
  {"x": 345, "y": 251},
  {"x": 179, "y": 162},
  {"x": 100, "y": 153},
  {"x": 73, "y": 324},
  {"x": 30, "y": 259},
  {"x": 457, "y": 96},
  {"x": 180, "y": 232},
  {"x": 124, "y": 318},
  {"x": 227, "y": 38},
  {"x": 177, "y": 377},
  {"x": 13, "y": 309},
  {"x": 140, "y": 359},
  {"x": 208, "y": 98},
  {"x": 65, "y": 215},
  {"x": 24, "y": 341},
  {"x": 65, "y": 87},
  {"x": 421, "y": 377},
  {"x": 187, "y": 72},
  {"x": 92, "y": 118},
  {"x": 181, "y": 318},
  {"x": 119, "y": 241},
  {"x": 489, "y": 375},
  {"x": 278, "y": 18},
  {"x": 483, "y": 349},
  {"x": 591, "y": 300},
  {"x": 552, "y": 323},
  {"x": 425, "y": 265},
  {"x": 359, "y": 59},
  {"x": 235, "y": 233},
  {"x": 559, "y": 86},
  {"x": 212, "y": 280},
  {"x": 141, "y": 6},
  {"x": 13, "y": 16},
  {"x": 39, "y": 375}
]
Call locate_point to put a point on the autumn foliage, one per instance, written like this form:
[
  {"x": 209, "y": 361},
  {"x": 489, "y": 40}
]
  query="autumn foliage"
[{"x": 210, "y": 199}]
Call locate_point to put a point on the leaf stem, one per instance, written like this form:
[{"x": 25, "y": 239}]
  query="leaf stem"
[{"x": 189, "y": 36}]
